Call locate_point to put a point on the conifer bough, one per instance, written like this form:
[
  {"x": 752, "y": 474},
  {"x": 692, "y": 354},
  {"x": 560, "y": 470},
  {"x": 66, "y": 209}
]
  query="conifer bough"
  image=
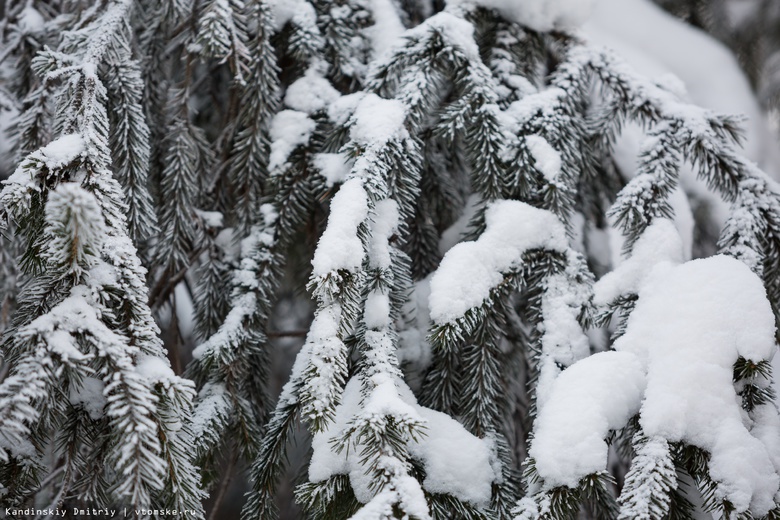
[{"x": 448, "y": 178}]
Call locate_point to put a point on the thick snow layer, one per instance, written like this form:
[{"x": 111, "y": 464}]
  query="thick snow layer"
[
  {"x": 289, "y": 129},
  {"x": 590, "y": 398},
  {"x": 155, "y": 369},
  {"x": 547, "y": 159},
  {"x": 540, "y": 15},
  {"x": 384, "y": 225},
  {"x": 387, "y": 26},
  {"x": 690, "y": 325},
  {"x": 377, "y": 310},
  {"x": 455, "y": 461},
  {"x": 659, "y": 243},
  {"x": 563, "y": 340},
  {"x": 471, "y": 269},
  {"x": 340, "y": 247},
  {"x": 377, "y": 120},
  {"x": 310, "y": 93},
  {"x": 342, "y": 108},
  {"x": 297, "y": 11},
  {"x": 61, "y": 151},
  {"x": 333, "y": 166}
]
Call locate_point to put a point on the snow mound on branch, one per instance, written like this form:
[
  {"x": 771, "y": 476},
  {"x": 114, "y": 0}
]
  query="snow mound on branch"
[
  {"x": 310, "y": 93},
  {"x": 691, "y": 324},
  {"x": 61, "y": 151},
  {"x": 340, "y": 246},
  {"x": 660, "y": 242},
  {"x": 470, "y": 270},
  {"x": 540, "y": 15},
  {"x": 455, "y": 461},
  {"x": 334, "y": 167},
  {"x": 283, "y": 11},
  {"x": 387, "y": 27},
  {"x": 590, "y": 398},
  {"x": 289, "y": 129},
  {"x": 548, "y": 160},
  {"x": 376, "y": 120}
]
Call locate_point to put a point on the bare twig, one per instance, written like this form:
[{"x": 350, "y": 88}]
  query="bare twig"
[{"x": 223, "y": 486}]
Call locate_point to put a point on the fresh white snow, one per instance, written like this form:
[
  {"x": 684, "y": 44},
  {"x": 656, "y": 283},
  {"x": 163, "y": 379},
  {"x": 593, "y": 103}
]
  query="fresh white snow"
[
  {"x": 340, "y": 247},
  {"x": 540, "y": 15},
  {"x": 470, "y": 270},
  {"x": 289, "y": 129},
  {"x": 690, "y": 325}
]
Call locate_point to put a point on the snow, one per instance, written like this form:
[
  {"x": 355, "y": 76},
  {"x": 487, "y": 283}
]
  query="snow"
[
  {"x": 590, "y": 398},
  {"x": 387, "y": 26},
  {"x": 377, "y": 310},
  {"x": 690, "y": 325},
  {"x": 658, "y": 244},
  {"x": 61, "y": 343},
  {"x": 339, "y": 246},
  {"x": 211, "y": 219},
  {"x": 342, "y": 108},
  {"x": 75, "y": 231},
  {"x": 453, "y": 29},
  {"x": 626, "y": 156},
  {"x": 455, "y": 461},
  {"x": 89, "y": 395},
  {"x": 333, "y": 166},
  {"x": 299, "y": 12},
  {"x": 414, "y": 349},
  {"x": 73, "y": 315},
  {"x": 563, "y": 340},
  {"x": 311, "y": 92},
  {"x": 547, "y": 159},
  {"x": 30, "y": 21},
  {"x": 376, "y": 121},
  {"x": 155, "y": 369},
  {"x": 766, "y": 425},
  {"x": 544, "y": 103},
  {"x": 540, "y": 15},
  {"x": 384, "y": 225},
  {"x": 713, "y": 308},
  {"x": 61, "y": 151},
  {"x": 213, "y": 404},
  {"x": 713, "y": 311},
  {"x": 470, "y": 270},
  {"x": 289, "y": 129},
  {"x": 231, "y": 328}
]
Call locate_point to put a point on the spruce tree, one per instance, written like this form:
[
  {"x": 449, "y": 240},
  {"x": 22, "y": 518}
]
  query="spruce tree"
[{"x": 502, "y": 319}]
